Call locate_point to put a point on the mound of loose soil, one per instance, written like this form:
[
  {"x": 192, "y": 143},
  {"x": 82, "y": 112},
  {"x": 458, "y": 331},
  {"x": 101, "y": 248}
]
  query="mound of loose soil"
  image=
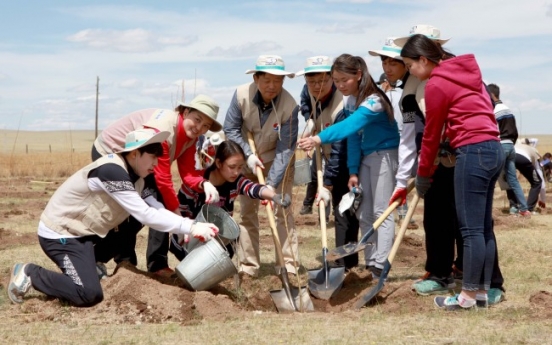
[
  {"x": 541, "y": 302},
  {"x": 132, "y": 296}
]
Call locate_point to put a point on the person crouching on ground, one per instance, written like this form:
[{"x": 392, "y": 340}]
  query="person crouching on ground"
[
  {"x": 226, "y": 175},
  {"x": 82, "y": 211}
]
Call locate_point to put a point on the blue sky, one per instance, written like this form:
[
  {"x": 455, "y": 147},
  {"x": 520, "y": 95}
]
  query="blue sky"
[{"x": 52, "y": 51}]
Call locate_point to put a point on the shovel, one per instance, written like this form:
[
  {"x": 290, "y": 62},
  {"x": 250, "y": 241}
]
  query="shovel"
[
  {"x": 351, "y": 248},
  {"x": 387, "y": 267},
  {"x": 323, "y": 283},
  {"x": 289, "y": 299}
]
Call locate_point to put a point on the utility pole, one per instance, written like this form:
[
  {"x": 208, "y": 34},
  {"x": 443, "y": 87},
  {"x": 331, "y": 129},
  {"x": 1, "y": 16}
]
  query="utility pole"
[{"x": 97, "y": 96}]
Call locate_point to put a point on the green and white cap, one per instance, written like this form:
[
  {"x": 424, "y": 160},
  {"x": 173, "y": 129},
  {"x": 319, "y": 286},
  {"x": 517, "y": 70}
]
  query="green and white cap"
[
  {"x": 143, "y": 137},
  {"x": 422, "y": 29},
  {"x": 271, "y": 64},
  {"x": 390, "y": 49},
  {"x": 316, "y": 64}
]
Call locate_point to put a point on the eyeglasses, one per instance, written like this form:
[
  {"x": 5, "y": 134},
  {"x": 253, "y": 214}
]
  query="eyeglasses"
[{"x": 318, "y": 82}]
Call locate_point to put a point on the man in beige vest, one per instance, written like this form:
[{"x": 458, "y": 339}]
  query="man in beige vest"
[
  {"x": 322, "y": 106},
  {"x": 269, "y": 112},
  {"x": 85, "y": 208}
]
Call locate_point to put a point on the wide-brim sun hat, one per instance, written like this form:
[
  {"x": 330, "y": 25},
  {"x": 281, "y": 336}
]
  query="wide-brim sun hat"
[
  {"x": 390, "y": 49},
  {"x": 316, "y": 64},
  {"x": 208, "y": 107},
  {"x": 143, "y": 137},
  {"x": 271, "y": 64},
  {"x": 427, "y": 30}
]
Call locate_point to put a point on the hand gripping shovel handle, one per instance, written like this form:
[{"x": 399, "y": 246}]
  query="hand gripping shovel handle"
[
  {"x": 385, "y": 272},
  {"x": 351, "y": 248},
  {"x": 272, "y": 223}
]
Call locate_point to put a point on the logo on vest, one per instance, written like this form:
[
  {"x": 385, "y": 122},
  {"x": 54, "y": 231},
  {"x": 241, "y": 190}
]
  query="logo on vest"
[
  {"x": 159, "y": 114},
  {"x": 275, "y": 127}
]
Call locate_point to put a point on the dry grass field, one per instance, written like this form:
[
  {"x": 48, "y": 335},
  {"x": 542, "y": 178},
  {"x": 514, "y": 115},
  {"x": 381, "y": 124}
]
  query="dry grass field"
[{"x": 139, "y": 309}]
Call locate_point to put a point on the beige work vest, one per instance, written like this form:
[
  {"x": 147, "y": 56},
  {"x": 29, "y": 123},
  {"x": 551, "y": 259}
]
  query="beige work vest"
[
  {"x": 266, "y": 137},
  {"x": 327, "y": 117},
  {"x": 74, "y": 210}
]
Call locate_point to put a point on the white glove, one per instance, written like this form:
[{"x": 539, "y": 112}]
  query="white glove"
[
  {"x": 211, "y": 193},
  {"x": 253, "y": 162},
  {"x": 204, "y": 231},
  {"x": 323, "y": 194},
  {"x": 309, "y": 127}
]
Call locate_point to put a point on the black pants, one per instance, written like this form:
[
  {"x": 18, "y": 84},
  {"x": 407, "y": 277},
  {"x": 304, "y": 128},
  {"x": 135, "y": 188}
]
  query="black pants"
[
  {"x": 441, "y": 223},
  {"x": 442, "y": 231},
  {"x": 528, "y": 171},
  {"x": 346, "y": 225},
  {"x": 312, "y": 186},
  {"x": 79, "y": 283}
]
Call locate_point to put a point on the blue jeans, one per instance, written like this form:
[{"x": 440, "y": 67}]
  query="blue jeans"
[
  {"x": 511, "y": 178},
  {"x": 477, "y": 169}
]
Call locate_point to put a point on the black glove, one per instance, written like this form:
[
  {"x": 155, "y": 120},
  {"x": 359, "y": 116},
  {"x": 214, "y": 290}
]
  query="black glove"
[
  {"x": 422, "y": 185},
  {"x": 283, "y": 201}
]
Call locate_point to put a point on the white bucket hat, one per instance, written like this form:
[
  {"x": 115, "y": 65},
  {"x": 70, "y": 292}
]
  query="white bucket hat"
[
  {"x": 271, "y": 64},
  {"x": 426, "y": 30},
  {"x": 143, "y": 137},
  {"x": 316, "y": 64},
  {"x": 390, "y": 49},
  {"x": 207, "y": 106}
]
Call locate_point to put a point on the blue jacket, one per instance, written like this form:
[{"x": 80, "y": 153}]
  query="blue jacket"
[{"x": 367, "y": 129}]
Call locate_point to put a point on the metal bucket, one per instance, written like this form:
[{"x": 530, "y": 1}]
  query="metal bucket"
[
  {"x": 302, "y": 172},
  {"x": 228, "y": 228},
  {"x": 206, "y": 266}
]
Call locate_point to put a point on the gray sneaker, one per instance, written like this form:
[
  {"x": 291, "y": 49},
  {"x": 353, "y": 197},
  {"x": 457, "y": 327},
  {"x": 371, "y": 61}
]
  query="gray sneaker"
[
  {"x": 306, "y": 210},
  {"x": 101, "y": 270},
  {"x": 20, "y": 283}
]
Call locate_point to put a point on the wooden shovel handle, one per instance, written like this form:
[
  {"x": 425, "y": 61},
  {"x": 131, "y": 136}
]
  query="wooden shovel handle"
[
  {"x": 321, "y": 204},
  {"x": 269, "y": 211}
]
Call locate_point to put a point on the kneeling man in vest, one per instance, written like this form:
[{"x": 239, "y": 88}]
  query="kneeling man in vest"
[{"x": 82, "y": 211}]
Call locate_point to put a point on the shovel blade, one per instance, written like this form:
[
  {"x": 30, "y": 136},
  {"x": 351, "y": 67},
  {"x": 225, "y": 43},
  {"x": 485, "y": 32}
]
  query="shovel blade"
[
  {"x": 346, "y": 250},
  {"x": 323, "y": 285},
  {"x": 301, "y": 299}
]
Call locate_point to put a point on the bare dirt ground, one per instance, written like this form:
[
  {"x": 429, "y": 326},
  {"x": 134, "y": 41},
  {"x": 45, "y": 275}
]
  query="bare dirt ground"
[{"x": 132, "y": 296}]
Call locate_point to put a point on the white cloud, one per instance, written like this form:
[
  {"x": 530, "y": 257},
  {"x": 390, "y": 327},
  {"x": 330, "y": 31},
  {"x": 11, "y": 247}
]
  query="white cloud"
[
  {"x": 337, "y": 28},
  {"x": 247, "y": 49},
  {"x": 134, "y": 40},
  {"x": 351, "y": 1},
  {"x": 133, "y": 83}
]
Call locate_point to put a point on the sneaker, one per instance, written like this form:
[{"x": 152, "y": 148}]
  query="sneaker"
[
  {"x": 166, "y": 272},
  {"x": 376, "y": 272},
  {"x": 513, "y": 210},
  {"x": 306, "y": 210},
  {"x": 525, "y": 214},
  {"x": 20, "y": 283},
  {"x": 451, "y": 303},
  {"x": 495, "y": 296},
  {"x": 101, "y": 270},
  {"x": 433, "y": 285}
]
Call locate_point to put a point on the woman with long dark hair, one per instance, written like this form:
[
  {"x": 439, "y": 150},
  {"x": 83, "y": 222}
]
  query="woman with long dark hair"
[
  {"x": 458, "y": 110},
  {"x": 372, "y": 150}
]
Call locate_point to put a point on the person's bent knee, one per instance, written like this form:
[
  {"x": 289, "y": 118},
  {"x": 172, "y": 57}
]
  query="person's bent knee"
[{"x": 90, "y": 297}]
